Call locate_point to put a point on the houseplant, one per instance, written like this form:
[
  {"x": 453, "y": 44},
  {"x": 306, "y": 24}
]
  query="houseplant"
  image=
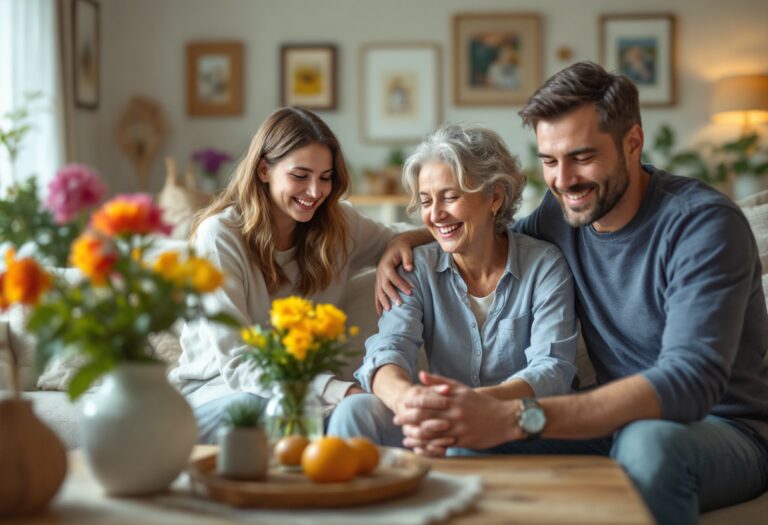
[
  {"x": 137, "y": 430},
  {"x": 15, "y": 125},
  {"x": 740, "y": 162},
  {"x": 303, "y": 341},
  {"x": 52, "y": 225},
  {"x": 243, "y": 448}
]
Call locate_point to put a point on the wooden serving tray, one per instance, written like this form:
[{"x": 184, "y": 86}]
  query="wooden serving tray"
[{"x": 399, "y": 472}]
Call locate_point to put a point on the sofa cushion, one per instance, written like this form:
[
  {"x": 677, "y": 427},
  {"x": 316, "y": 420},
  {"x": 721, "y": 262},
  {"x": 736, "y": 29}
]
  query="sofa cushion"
[{"x": 755, "y": 208}]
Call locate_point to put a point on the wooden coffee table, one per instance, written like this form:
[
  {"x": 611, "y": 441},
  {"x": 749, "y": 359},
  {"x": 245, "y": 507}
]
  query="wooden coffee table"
[{"x": 516, "y": 489}]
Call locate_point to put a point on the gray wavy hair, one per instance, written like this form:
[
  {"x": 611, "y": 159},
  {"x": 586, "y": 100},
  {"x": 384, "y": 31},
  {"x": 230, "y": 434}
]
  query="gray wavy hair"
[{"x": 479, "y": 160}]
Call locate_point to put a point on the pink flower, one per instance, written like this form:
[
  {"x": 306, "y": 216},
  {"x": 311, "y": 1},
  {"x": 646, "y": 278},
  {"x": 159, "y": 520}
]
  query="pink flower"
[{"x": 74, "y": 189}]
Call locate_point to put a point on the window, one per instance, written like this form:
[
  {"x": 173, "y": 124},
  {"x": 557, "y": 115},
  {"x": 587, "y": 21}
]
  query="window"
[{"x": 29, "y": 63}]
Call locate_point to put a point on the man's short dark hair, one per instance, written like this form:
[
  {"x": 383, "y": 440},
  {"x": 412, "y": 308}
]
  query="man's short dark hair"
[{"x": 615, "y": 98}]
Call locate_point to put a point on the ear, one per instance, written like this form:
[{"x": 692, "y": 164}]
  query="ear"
[
  {"x": 262, "y": 170},
  {"x": 497, "y": 200},
  {"x": 633, "y": 143}
]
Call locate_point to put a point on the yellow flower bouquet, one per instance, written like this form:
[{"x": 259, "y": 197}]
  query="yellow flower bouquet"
[{"x": 304, "y": 341}]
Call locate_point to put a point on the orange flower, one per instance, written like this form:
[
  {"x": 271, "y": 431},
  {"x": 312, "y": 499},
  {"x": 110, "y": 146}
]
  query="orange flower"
[
  {"x": 4, "y": 304},
  {"x": 93, "y": 257},
  {"x": 129, "y": 214},
  {"x": 24, "y": 281}
]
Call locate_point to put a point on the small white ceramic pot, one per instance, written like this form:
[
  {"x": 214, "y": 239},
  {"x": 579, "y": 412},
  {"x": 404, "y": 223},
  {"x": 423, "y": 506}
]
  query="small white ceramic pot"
[{"x": 243, "y": 453}]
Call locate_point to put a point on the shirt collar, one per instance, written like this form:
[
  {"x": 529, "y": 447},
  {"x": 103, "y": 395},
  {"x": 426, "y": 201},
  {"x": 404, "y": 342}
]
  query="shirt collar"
[{"x": 445, "y": 261}]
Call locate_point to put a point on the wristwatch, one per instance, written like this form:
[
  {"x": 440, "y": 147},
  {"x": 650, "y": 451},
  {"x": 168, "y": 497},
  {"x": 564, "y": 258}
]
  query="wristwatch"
[{"x": 531, "y": 418}]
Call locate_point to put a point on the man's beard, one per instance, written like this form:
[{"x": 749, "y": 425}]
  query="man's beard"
[{"x": 609, "y": 194}]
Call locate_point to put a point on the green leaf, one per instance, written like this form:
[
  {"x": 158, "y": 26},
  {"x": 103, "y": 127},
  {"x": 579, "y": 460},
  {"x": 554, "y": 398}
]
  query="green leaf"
[
  {"x": 225, "y": 319},
  {"x": 86, "y": 376}
]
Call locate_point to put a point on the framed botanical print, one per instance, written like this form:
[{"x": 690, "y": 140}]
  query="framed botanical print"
[
  {"x": 214, "y": 78},
  {"x": 308, "y": 76},
  {"x": 400, "y": 92},
  {"x": 496, "y": 57},
  {"x": 642, "y": 47}
]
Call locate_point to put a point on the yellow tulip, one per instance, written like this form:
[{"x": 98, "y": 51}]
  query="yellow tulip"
[
  {"x": 329, "y": 321},
  {"x": 297, "y": 343},
  {"x": 289, "y": 312}
]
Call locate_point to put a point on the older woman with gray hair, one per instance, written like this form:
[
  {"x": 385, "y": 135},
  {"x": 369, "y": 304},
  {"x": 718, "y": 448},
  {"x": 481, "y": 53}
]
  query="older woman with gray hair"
[{"x": 493, "y": 309}]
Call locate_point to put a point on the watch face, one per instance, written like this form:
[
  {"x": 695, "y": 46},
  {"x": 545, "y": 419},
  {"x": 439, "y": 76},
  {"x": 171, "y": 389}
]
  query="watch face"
[{"x": 532, "y": 420}]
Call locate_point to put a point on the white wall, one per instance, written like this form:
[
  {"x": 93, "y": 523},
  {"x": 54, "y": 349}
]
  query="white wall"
[{"x": 143, "y": 54}]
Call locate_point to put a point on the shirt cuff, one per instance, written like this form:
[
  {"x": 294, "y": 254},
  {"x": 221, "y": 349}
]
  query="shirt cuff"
[
  {"x": 377, "y": 359},
  {"x": 548, "y": 381},
  {"x": 335, "y": 390}
]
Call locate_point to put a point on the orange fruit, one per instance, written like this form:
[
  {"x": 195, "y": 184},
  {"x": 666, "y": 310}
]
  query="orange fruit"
[
  {"x": 289, "y": 449},
  {"x": 368, "y": 452},
  {"x": 329, "y": 459}
]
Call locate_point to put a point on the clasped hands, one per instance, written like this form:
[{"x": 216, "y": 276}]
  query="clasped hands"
[{"x": 442, "y": 413}]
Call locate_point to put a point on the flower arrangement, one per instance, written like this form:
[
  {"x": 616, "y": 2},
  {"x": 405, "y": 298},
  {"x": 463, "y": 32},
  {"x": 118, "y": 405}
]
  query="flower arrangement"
[
  {"x": 210, "y": 161},
  {"x": 304, "y": 340},
  {"x": 123, "y": 298},
  {"x": 54, "y": 224}
]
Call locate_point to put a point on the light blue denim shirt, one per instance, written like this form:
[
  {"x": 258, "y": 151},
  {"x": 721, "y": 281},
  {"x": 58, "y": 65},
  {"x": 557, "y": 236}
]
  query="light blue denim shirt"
[{"x": 530, "y": 332}]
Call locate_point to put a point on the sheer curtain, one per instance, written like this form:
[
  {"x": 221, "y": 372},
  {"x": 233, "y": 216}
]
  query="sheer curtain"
[{"x": 29, "y": 63}]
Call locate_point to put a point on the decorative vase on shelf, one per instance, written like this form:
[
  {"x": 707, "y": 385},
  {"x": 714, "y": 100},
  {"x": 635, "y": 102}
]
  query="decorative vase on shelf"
[
  {"x": 33, "y": 461},
  {"x": 137, "y": 431},
  {"x": 293, "y": 409}
]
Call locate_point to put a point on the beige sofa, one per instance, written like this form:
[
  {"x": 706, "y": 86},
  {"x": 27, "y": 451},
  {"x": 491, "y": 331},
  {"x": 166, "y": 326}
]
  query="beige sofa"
[{"x": 52, "y": 404}]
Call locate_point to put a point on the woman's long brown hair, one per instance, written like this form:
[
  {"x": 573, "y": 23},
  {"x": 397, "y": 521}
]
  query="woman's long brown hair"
[{"x": 321, "y": 243}]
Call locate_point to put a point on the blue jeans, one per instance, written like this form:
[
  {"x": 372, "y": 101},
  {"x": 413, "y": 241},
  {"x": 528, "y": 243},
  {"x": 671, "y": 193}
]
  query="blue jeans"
[
  {"x": 211, "y": 415},
  {"x": 679, "y": 469},
  {"x": 365, "y": 415}
]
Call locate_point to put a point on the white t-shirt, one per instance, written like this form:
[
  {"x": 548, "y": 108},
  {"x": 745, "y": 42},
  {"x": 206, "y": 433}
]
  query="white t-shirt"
[
  {"x": 480, "y": 306},
  {"x": 213, "y": 361}
]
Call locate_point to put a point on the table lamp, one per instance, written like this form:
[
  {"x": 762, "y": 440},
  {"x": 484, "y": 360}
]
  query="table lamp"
[{"x": 741, "y": 100}]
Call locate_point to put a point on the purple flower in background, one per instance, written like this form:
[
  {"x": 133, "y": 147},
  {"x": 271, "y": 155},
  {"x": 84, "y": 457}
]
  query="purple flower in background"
[
  {"x": 74, "y": 189},
  {"x": 210, "y": 160}
]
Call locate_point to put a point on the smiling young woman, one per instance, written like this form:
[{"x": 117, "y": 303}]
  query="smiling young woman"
[{"x": 279, "y": 228}]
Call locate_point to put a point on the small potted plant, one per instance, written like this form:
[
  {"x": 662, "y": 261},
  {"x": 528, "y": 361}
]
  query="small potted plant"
[{"x": 243, "y": 448}]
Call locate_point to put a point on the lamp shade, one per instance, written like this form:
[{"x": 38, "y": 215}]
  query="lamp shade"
[{"x": 741, "y": 100}]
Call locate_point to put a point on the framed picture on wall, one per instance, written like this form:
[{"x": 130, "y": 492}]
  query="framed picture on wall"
[
  {"x": 86, "y": 58},
  {"x": 308, "y": 76},
  {"x": 400, "y": 92},
  {"x": 214, "y": 78},
  {"x": 496, "y": 58},
  {"x": 642, "y": 47}
]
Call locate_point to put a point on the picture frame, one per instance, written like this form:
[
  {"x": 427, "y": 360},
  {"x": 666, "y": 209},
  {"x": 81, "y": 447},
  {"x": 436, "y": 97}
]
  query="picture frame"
[
  {"x": 214, "y": 78},
  {"x": 643, "y": 48},
  {"x": 497, "y": 58},
  {"x": 308, "y": 76},
  {"x": 400, "y": 98},
  {"x": 86, "y": 54}
]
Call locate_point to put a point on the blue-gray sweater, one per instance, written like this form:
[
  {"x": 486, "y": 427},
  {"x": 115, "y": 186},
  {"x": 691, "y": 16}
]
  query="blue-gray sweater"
[{"x": 675, "y": 295}]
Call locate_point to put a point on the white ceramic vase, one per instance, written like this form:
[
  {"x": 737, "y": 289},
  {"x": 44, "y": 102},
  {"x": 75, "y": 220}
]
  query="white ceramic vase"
[
  {"x": 243, "y": 453},
  {"x": 137, "y": 431}
]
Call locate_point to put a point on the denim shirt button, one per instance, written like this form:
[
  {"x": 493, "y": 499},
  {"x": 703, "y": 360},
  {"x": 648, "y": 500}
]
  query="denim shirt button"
[{"x": 474, "y": 325}]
